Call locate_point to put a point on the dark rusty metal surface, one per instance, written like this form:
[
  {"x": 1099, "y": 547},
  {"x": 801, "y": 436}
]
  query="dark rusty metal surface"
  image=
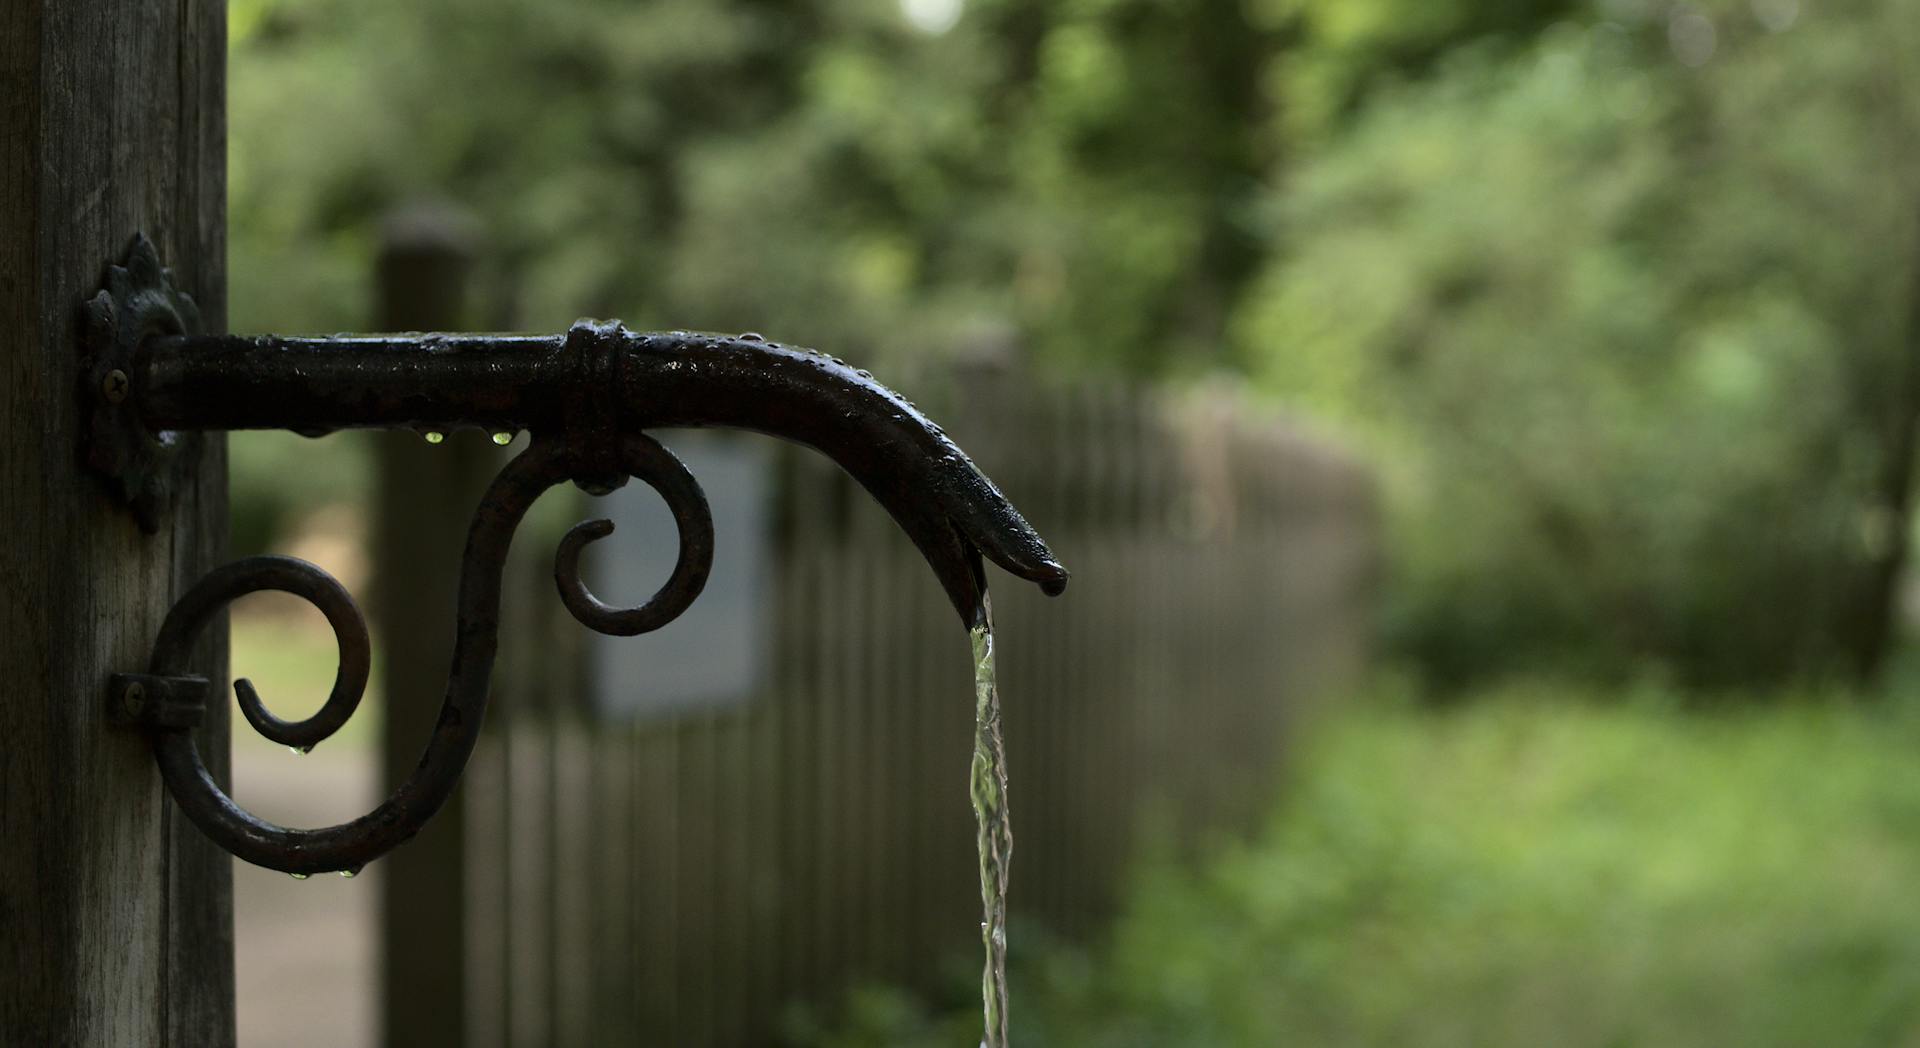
[
  {"x": 599, "y": 381},
  {"x": 152, "y": 702},
  {"x": 137, "y": 303},
  {"x": 349, "y": 846},
  {"x": 587, "y": 397}
]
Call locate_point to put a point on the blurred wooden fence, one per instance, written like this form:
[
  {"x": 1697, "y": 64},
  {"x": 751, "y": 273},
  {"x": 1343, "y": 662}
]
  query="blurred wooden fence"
[{"x": 688, "y": 878}]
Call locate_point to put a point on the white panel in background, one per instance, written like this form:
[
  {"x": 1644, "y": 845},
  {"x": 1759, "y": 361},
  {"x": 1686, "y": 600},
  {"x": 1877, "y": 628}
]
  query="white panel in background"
[{"x": 716, "y": 654}]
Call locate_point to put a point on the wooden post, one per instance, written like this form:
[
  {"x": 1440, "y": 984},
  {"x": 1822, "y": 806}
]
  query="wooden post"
[
  {"x": 116, "y": 916},
  {"x": 426, "y": 496}
]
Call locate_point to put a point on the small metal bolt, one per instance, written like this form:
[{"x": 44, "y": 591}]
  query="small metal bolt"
[
  {"x": 134, "y": 699},
  {"x": 114, "y": 386}
]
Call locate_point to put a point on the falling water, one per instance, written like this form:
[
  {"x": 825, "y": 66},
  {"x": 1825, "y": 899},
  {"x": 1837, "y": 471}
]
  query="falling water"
[{"x": 989, "y": 791}]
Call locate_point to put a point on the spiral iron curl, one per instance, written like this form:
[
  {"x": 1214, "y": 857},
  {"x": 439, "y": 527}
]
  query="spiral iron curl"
[{"x": 348, "y": 846}]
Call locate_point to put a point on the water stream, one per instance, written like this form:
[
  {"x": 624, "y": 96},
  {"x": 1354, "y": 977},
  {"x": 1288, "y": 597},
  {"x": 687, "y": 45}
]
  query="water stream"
[{"x": 988, "y": 787}]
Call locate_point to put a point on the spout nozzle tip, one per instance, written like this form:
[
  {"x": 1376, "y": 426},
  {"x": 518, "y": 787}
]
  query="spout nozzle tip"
[{"x": 1050, "y": 575}]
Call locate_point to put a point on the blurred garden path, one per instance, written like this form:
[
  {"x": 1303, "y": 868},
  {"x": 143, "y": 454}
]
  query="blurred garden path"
[{"x": 305, "y": 950}]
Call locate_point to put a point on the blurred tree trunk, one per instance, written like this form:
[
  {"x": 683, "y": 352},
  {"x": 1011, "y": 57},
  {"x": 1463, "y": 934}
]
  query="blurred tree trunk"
[
  {"x": 1871, "y": 629},
  {"x": 1235, "y": 61}
]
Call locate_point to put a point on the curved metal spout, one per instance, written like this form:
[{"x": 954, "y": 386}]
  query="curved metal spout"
[
  {"x": 587, "y": 396},
  {"x": 905, "y": 461},
  {"x": 594, "y": 384}
]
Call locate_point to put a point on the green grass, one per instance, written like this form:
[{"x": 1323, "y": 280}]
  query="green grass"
[
  {"x": 291, "y": 657},
  {"x": 1536, "y": 867}
]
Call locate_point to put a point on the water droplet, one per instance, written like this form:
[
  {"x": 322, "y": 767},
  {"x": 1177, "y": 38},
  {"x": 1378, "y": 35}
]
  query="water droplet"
[
  {"x": 752, "y": 336},
  {"x": 299, "y": 751},
  {"x": 299, "y": 876},
  {"x": 434, "y": 436},
  {"x": 503, "y": 438},
  {"x": 864, "y": 373},
  {"x": 350, "y": 871}
]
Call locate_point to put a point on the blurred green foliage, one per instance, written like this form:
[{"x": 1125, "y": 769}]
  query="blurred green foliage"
[
  {"x": 1629, "y": 337},
  {"x": 278, "y": 479},
  {"x": 1621, "y": 298},
  {"x": 1083, "y": 173},
  {"x": 1617, "y": 294},
  {"x": 1549, "y": 865}
]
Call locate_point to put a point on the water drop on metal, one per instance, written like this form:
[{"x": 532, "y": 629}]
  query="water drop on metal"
[{"x": 434, "y": 436}]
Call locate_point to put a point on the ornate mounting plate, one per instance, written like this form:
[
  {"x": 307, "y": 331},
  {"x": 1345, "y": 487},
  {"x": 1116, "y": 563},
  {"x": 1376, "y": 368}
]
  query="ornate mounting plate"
[{"x": 136, "y": 302}]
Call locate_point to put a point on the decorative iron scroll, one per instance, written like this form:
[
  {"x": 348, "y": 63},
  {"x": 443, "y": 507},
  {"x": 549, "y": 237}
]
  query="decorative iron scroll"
[{"x": 586, "y": 397}]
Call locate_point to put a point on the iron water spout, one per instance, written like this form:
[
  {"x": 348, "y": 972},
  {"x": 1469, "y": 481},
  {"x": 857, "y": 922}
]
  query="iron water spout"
[
  {"x": 596, "y": 383},
  {"x": 586, "y": 397}
]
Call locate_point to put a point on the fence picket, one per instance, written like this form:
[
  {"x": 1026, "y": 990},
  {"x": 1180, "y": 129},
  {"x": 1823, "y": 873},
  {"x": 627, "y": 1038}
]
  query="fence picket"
[{"x": 685, "y": 878}]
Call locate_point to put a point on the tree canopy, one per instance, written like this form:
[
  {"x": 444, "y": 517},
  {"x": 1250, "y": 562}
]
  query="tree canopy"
[{"x": 1620, "y": 296}]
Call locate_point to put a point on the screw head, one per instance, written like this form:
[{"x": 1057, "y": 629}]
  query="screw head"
[
  {"x": 134, "y": 698},
  {"x": 114, "y": 387}
]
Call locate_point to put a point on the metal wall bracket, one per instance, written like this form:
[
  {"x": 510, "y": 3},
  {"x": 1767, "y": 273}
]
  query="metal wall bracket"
[
  {"x": 587, "y": 397},
  {"x": 151, "y": 702}
]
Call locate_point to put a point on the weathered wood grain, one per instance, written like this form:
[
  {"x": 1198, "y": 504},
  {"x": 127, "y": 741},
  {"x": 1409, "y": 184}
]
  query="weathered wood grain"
[{"x": 115, "y": 915}]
